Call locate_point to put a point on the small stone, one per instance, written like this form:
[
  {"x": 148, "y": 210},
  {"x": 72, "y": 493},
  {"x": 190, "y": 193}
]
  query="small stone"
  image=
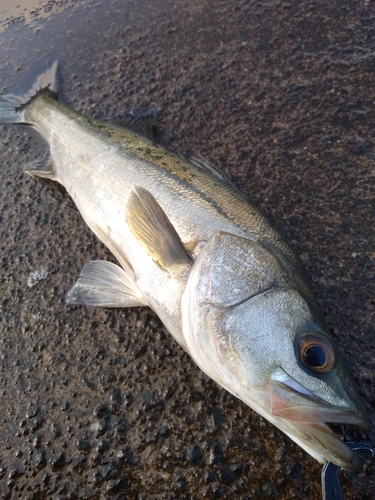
[
  {"x": 96, "y": 477},
  {"x": 295, "y": 472},
  {"x": 14, "y": 473},
  {"x": 217, "y": 490},
  {"x": 88, "y": 383},
  {"x": 261, "y": 451},
  {"x": 226, "y": 476},
  {"x": 95, "y": 459},
  {"x": 180, "y": 485},
  {"x": 194, "y": 453},
  {"x": 208, "y": 476},
  {"x": 215, "y": 454},
  {"x": 125, "y": 456},
  {"x": 115, "y": 485},
  {"x": 116, "y": 396},
  {"x": 359, "y": 114},
  {"x": 139, "y": 350},
  {"x": 10, "y": 483},
  {"x": 45, "y": 478},
  {"x": 31, "y": 412},
  {"x": 268, "y": 489},
  {"x": 164, "y": 431},
  {"x": 40, "y": 459},
  {"x": 58, "y": 461},
  {"x": 102, "y": 411},
  {"x": 36, "y": 423},
  {"x": 64, "y": 380},
  {"x": 64, "y": 406},
  {"x": 108, "y": 471},
  {"x": 101, "y": 427},
  {"x": 37, "y": 442},
  {"x": 102, "y": 446},
  {"x": 78, "y": 463},
  {"x": 82, "y": 444},
  {"x": 107, "y": 377},
  {"x": 62, "y": 489},
  {"x": 120, "y": 424},
  {"x": 153, "y": 322},
  {"x": 217, "y": 418},
  {"x": 360, "y": 149},
  {"x": 56, "y": 430},
  {"x": 88, "y": 493},
  {"x": 237, "y": 469}
]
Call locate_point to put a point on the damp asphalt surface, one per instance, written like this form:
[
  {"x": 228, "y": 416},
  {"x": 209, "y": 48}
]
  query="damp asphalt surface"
[{"x": 280, "y": 95}]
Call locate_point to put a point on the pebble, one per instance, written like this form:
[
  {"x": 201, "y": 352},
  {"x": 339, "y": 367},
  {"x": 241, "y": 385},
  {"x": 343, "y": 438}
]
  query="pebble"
[{"x": 194, "y": 453}]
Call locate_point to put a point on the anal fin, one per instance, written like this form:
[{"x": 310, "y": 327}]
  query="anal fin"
[
  {"x": 104, "y": 284},
  {"x": 41, "y": 167}
]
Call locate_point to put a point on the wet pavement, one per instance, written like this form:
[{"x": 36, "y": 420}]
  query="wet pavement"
[{"x": 280, "y": 95}]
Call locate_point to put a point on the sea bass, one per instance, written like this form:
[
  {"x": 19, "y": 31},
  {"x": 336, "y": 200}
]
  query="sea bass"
[{"x": 225, "y": 284}]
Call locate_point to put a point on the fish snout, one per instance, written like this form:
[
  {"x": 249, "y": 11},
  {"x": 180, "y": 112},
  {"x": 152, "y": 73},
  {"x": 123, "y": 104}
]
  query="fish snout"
[{"x": 306, "y": 416}]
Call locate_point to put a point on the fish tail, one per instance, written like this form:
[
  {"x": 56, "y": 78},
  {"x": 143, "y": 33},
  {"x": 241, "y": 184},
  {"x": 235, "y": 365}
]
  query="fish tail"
[{"x": 43, "y": 78}]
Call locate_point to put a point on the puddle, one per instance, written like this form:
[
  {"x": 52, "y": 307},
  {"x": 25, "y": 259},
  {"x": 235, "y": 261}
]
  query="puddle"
[
  {"x": 32, "y": 12},
  {"x": 77, "y": 32}
]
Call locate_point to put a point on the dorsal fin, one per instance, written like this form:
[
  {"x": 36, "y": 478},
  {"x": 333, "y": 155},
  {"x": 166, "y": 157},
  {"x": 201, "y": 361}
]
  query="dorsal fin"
[
  {"x": 154, "y": 231},
  {"x": 205, "y": 165},
  {"x": 141, "y": 122}
]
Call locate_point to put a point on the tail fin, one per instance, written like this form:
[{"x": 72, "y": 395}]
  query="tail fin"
[{"x": 42, "y": 78}]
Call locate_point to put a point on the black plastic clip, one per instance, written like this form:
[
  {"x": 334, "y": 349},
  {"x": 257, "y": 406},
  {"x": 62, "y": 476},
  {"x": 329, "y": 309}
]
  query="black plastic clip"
[{"x": 331, "y": 488}]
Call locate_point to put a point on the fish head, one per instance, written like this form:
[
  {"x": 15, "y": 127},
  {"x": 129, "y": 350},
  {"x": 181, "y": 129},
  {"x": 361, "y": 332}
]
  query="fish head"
[{"x": 255, "y": 334}]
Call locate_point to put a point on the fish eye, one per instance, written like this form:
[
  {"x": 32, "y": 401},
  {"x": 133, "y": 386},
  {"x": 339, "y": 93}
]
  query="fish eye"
[{"x": 316, "y": 352}]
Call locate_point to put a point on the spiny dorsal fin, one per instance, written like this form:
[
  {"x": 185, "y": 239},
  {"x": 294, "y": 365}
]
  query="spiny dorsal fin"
[
  {"x": 205, "y": 165},
  {"x": 141, "y": 122},
  {"x": 154, "y": 231}
]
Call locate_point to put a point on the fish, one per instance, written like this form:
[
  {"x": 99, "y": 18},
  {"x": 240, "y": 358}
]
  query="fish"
[{"x": 191, "y": 246}]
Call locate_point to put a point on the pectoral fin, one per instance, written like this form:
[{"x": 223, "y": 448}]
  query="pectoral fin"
[
  {"x": 104, "y": 284},
  {"x": 154, "y": 231}
]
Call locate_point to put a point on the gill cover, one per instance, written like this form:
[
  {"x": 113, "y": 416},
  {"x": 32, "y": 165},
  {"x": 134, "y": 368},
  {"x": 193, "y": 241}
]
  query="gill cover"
[{"x": 229, "y": 271}]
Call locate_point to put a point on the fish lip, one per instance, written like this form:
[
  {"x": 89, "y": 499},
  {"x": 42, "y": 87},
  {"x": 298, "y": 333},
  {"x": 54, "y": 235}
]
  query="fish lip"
[
  {"x": 306, "y": 417},
  {"x": 295, "y": 402}
]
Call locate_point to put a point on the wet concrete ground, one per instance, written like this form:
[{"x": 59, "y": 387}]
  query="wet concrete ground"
[{"x": 280, "y": 95}]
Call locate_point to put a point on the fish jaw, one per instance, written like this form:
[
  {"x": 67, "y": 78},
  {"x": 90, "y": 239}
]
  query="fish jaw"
[{"x": 304, "y": 417}]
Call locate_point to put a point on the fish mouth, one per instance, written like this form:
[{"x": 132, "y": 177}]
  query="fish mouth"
[{"x": 307, "y": 416}]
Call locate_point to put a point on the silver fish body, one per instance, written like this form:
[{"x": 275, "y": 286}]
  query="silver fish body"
[{"x": 224, "y": 282}]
